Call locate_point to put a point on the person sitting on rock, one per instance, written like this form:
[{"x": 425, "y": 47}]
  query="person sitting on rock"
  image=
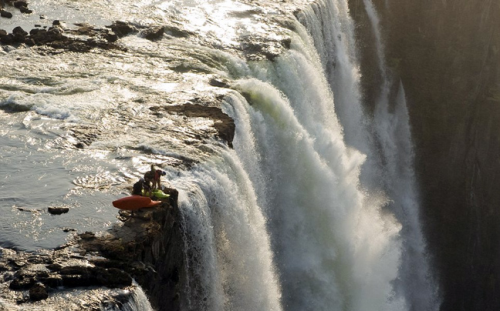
[{"x": 153, "y": 178}]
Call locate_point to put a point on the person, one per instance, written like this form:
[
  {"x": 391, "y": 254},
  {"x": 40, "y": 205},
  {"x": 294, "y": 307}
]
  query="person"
[
  {"x": 152, "y": 179},
  {"x": 139, "y": 186}
]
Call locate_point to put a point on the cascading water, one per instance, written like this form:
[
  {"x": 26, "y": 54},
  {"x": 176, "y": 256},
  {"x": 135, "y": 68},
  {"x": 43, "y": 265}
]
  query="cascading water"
[
  {"x": 332, "y": 246},
  {"x": 392, "y": 131},
  {"x": 385, "y": 138},
  {"x": 292, "y": 218},
  {"x": 229, "y": 257}
]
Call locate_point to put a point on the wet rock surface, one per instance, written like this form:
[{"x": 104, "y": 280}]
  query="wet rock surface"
[
  {"x": 21, "y": 5},
  {"x": 145, "y": 248},
  {"x": 82, "y": 39},
  {"x": 222, "y": 122},
  {"x": 58, "y": 210}
]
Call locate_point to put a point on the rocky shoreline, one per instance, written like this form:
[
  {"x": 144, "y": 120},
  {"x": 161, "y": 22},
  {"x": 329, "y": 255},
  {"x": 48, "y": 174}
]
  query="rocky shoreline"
[{"x": 146, "y": 248}]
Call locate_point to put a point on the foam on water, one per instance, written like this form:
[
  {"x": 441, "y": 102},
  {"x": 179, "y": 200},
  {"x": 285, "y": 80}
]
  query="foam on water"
[
  {"x": 230, "y": 264},
  {"x": 333, "y": 248}
]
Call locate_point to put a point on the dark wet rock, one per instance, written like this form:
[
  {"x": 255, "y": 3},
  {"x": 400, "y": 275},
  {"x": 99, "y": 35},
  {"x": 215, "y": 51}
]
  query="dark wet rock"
[
  {"x": 177, "y": 32},
  {"x": 38, "y": 292},
  {"x": 22, "y": 283},
  {"x": 30, "y": 42},
  {"x": 17, "y": 262},
  {"x": 25, "y": 10},
  {"x": 56, "y": 38},
  {"x": 222, "y": 122},
  {"x": 258, "y": 48},
  {"x": 219, "y": 82},
  {"x": 18, "y": 31},
  {"x": 153, "y": 33},
  {"x": 87, "y": 235},
  {"x": 3, "y": 33},
  {"x": 150, "y": 251},
  {"x": 80, "y": 46},
  {"x": 183, "y": 67},
  {"x": 39, "y": 259},
  {"x": 78, "y": 280},
  {"x": 80, "y": 270},
  {"x": 111, "y": 37},
  {"x": 54, "y": 281},
  {"x": 58, "y": 210},
  {"x": 5, "y": 14},
  {"x": 19, "y": 35},
  {"x": 112, "y": 277},
  {"x": 121, "y": 29},
  {"x": 8, "y": 39},
  {"x": 54, "y": 267},
  {"x": 21, "y": 4}
]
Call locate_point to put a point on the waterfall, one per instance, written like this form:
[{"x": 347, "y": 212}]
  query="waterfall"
[
  {"x": 229, "y": 258},
  {"x": 281, "y": 221},
  {"x": 385, "y": 138},
  {"x": 392, "y": 130},
  {"x": 317, "y": 207},
  {"x": 137, "y": 302},
  {"x": 333, "y": 249}
]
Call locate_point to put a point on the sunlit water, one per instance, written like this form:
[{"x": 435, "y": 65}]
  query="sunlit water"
[{"x": 281, "y": 222}]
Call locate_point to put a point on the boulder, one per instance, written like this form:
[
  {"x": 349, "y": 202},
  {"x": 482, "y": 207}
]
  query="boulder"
[
  {"x": 5, "y": 14},
  {"x": 22, "y": 282},
  {"x": 153, "y": 33},
  {"x": 25, "y": 10},
  {"x": 112, "y": 277},
  {"x": 58, "y": 210},
  {"x": 19, "y": 31},
  {"x": 21, "y": 4},
  {"x": 8, "y": 39},
  {"x": 121, "y": 29},
  {"x": 38, "y": 292},
  {"x": 177, "y": 32}
]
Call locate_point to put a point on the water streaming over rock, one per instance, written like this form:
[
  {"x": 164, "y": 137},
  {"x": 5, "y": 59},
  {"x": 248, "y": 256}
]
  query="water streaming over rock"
[
  {"x": 316, "y": 208},
  {"x": 228, "y": 253},
  {"x": 385, "y": 137}
]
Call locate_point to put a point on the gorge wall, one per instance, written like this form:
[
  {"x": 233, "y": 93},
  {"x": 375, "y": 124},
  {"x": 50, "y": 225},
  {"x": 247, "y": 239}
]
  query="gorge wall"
[{"x": 447, "y": 57}]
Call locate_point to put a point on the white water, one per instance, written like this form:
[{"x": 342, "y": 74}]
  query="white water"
[
  {"x": 229, "y": 256},
  {"x": 333, "y": 247},
  {"x": 393, "y": 132},
  {"x": 386, "y": 138},
  {"x": 285, "y": 221}
]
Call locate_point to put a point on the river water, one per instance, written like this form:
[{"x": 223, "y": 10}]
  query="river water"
[{"x": 304, "y": 213}]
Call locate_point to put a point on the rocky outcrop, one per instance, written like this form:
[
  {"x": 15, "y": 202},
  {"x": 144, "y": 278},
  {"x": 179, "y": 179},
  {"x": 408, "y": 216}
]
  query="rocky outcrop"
[
  {"x": 447, "y": 56},
  {"x": 21, "y": 5},
  {"x": 58, "y": 210},
  {"x": 147, "y": 247},
  {"x": 82, "y": 39},
  {"x": 223, "y": 124}
]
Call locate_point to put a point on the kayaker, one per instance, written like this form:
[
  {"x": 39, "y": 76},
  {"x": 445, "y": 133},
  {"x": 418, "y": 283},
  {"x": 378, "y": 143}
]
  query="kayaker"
[{"x": 152, "y": 178}]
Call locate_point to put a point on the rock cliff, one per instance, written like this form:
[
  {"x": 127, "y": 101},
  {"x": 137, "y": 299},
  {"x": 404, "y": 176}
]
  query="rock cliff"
[
  {"x": 447, "y": 56},
  {"x": 147, "y": 247}
]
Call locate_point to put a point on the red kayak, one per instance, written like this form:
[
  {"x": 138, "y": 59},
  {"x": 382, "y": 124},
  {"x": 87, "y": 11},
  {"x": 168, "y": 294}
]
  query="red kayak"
[{"x": 134, "y": 202}]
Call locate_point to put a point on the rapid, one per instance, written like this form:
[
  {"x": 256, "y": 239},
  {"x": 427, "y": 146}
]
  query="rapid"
[{"x": 314, "y": 208}]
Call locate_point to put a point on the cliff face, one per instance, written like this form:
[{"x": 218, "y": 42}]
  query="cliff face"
[{"x": 447, "y": 56}]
